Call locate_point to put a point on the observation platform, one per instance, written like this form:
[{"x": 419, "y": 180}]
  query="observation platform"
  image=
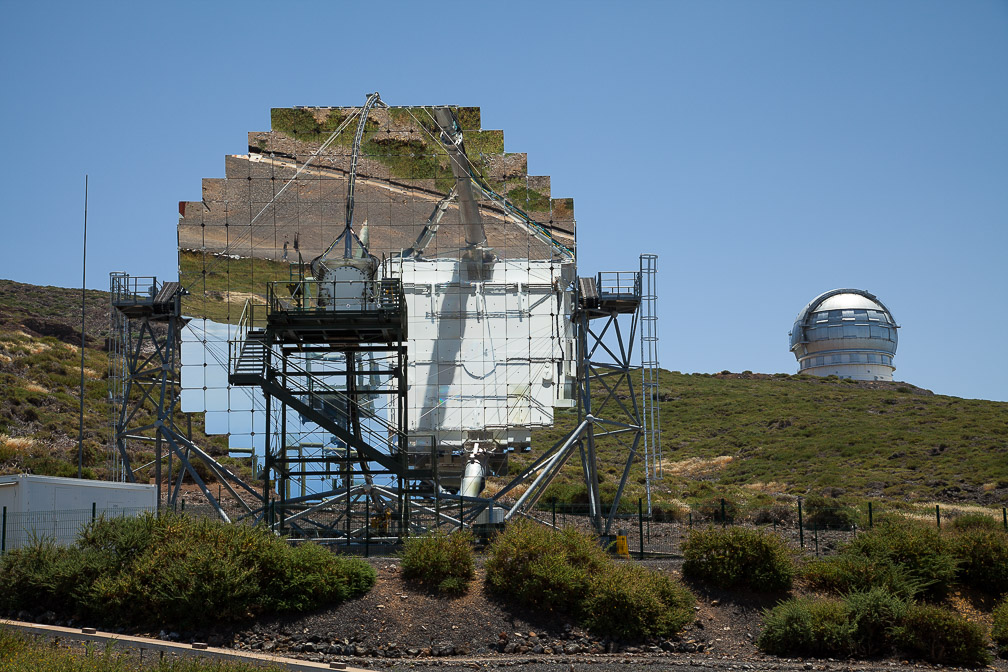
[
  {"x": 296, "y": 315},
  {"x": 610, "y": 292},
  {"x": 143, "y": 297}
]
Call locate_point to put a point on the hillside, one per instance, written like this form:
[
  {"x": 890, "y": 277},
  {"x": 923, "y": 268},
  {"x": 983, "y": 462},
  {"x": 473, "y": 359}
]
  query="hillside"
[
  {"x": 40, "y": 368},
  {"x": 757, "y": 438},
  {"x": 753, "y": 438}
]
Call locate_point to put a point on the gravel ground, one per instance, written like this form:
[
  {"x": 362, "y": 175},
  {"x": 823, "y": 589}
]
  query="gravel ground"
[{"x": 396, "y": 627}]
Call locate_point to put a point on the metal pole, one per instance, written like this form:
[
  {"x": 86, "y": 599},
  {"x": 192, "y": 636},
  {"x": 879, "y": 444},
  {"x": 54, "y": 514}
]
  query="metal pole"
[
  {"x": 554, "y": 513},
  {"x": 724, "y": 519},
  {"x": 80, "y": 435},
  {"x": 1004, "y": 517},
  {"x": 367, "y": 526},
  {"x": 94, "y": 511},
  {"x": 3, "y": 532},
  {"x": 640, "y": 525},
  {"x": 815, "y": 533},
  {"x": 801, "y": 529},
  {"x": 870, "y": 522},
  {"x": 938, "y": 516}
]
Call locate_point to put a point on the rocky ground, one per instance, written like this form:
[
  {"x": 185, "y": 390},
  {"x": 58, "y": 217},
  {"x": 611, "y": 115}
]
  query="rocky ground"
[{"x": 394, "y": 626}]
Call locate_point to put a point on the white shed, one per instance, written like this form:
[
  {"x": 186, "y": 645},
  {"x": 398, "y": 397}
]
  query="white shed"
[{"x": 58, "y": 507}]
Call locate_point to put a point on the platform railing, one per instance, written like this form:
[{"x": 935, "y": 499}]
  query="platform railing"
[
  {"x": 126, "y": 289},
  {"x": 312, "y": 296},
  {"x": 619, "y": 283}
]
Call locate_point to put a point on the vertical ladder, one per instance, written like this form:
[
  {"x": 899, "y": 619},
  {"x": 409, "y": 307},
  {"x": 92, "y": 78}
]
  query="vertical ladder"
[{"x": 649, "y": 370}]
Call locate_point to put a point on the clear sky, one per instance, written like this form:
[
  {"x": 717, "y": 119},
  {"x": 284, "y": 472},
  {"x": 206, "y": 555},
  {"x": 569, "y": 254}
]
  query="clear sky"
[{"x": 766, "y": 151}]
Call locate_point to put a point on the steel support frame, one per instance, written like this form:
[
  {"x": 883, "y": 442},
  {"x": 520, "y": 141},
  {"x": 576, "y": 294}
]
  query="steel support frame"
[{"x": 144, "y": 391}]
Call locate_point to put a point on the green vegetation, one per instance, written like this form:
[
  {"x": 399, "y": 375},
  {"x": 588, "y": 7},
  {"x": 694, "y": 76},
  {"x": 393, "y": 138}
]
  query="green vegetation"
[
  {"x": 870, "y": 624},
  {"x": 40, "y": 375},
  {"x": 761, "y": 440},
  {"x": 806, "y": 626},
  {"x": 219, "y": 286},
  {"x": 738, "y": 558},
  {"x": 911, "y": 560},
  {"x": 19, "y": 653},
  {"x": 981, "y": 554},
  {"x": 438, "y": 562},
  {"x": 999, "y": 630},
  {"x": 942, "y": 637},
  {"x": 175, "y": 570},
  {"x": 568, "y": 574},
  {"x": 529, "y": 199},
  {"x": 301, "y": 124}
]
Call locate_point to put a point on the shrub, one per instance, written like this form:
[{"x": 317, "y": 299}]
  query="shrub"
[
  {"x": 849, "y": 572},
  {"x": 807, "y": 627},
  {"x": 982, "y": 554},
  {"x": 999, "y": 630},
  {"x": 710, "y": 509},
  {"x": 569, "y": 574},
  {"x": 875, "y": 616},
  {"x": 737, "y": 558},
  {"x": 438, "y": 562},
  {"x": 828, "y": 514},
  {"x": 630, "y": 602},
  {"x": 969, "y": 521},
  {"x": 539, "y": 568},
  {"x": 778, "y": 513},
  {"x": 941, "y": 636},
  {"x": 174, "y": 570},
  {"x": 922, "y": 554}
]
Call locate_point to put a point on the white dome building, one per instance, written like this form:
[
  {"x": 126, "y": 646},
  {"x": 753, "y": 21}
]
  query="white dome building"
[{"x": 845, "y": 332}]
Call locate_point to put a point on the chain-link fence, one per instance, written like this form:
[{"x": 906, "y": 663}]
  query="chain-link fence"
[
  {"x": 22, "y": 528},
  {"x": 815, "y": 527}
]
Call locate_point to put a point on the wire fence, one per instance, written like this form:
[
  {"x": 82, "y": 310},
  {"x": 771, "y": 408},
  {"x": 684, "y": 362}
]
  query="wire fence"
[
  {"x": 814, "y": 527},
  {"x": 63, "y": 527}
]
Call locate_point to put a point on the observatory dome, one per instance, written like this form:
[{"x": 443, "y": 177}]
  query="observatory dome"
[{"x": 845, "y": 332}]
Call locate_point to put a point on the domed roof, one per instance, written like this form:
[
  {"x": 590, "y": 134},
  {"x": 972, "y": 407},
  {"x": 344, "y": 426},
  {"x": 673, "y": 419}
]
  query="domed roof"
[{"x": 843, "y": 299}]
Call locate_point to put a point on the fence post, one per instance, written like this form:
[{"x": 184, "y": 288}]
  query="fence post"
[
  {"x": 3, "y": 532},
  {"x": 1004, "y": 517},
  {"x": 94, "y": 511},
  {"x": 367, "y": 527},
  {"x": 801, "y": 527},
  {"x": 640, "y": 525},
  {"x": 691, "y": 519},
  {"x": 724, "y": 519},
  {"x": 870, "y": 522},
  {"x": 938, "y": 516}
]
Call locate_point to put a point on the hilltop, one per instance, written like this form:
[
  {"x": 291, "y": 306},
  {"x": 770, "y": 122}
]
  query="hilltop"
[{"x": 753, "y": 438}]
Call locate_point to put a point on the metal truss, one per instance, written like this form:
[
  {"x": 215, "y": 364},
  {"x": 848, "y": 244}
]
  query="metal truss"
[{"x": 144, "y": 390}]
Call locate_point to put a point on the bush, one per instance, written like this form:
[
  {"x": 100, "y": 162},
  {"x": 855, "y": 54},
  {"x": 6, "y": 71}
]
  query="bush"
[
  {"x": 828, "y": 514},
  {"x": 569, "y": 574},
  {"x": 921, "y": 553},
  {"x": 175, "y": 570},
  {"x": 768, "y": 515},
  {"x": 710, "y": 509},
  {"x": 630, "y": 602},
  {"x": 982, "y": 555},
  {"x": 999, "y": 630},
  {"x": 738, "y": 558},
  {"x": 438, "y": 562},
  {"x": 807, "y": 627},
  {"x": 971, "y": 521},
  {"x": 942, "y": 636},
  {"x": 875, "y": 616},
  {"x": 848, "y": 572}
]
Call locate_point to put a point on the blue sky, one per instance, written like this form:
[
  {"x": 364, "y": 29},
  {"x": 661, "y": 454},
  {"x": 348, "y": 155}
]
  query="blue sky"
[{"x": 765, "y": 151}]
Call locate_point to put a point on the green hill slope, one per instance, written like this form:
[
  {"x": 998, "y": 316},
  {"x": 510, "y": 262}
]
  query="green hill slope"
[{"x": 753, "y": 437}]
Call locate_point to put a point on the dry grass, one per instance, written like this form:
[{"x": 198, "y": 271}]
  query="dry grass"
[
  {"x": 694, "y": 467},
  {"x": 35, "y": 387},
  {"x": 18, "y": 443},
  {"x": 770, "y": 487}
]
